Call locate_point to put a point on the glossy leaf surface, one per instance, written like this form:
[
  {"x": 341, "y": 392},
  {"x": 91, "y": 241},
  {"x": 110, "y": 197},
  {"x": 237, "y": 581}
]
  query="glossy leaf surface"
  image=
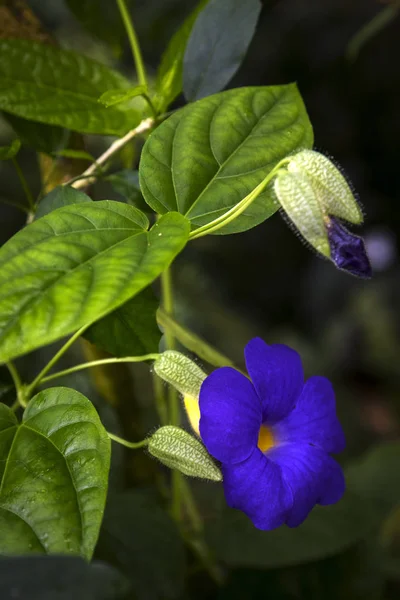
[
  {"x": 54, "y": 475},
  {"x": 77, "y": 264},
  {"x": 206, "y": 158},
  {"x": 58, "y": 87}
]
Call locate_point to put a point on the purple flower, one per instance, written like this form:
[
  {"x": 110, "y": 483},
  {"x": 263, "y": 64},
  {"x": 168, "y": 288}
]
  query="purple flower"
[
  {"x": 273, "y": 435},
  {"x": 348, "y": 250}
]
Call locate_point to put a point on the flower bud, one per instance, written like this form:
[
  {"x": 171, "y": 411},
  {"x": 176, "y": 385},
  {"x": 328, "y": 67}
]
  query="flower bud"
[
  {"x": 299, "y": 201},
  {"x": 331, "y": 188},
  {"x": 179, "y": 450},
  {"x": 181, "y": 372}
]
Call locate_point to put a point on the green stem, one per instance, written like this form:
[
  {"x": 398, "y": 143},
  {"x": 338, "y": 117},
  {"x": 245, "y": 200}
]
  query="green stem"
[
  {"x": 133, "y": 40},
  {"x": 371, "y": 29},
  {"x": 98, "y": 363},
  {"x": 192, "y": 342},
  {"x": 16, "y": 205},
  {"x": 24, "y": 184},
  {"x": 237, "y": 210},
  {"x": 53, "y": 361},
  {"x": 19, "y": 387},
  {"x": 168, "y": 306},
  {"x": 131, "y": 445},
  {"x": 161, "y": 406}
]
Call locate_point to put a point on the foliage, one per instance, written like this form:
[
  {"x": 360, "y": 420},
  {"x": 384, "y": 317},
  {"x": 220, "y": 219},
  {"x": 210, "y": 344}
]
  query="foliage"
[{"x": 213, "y": 161}]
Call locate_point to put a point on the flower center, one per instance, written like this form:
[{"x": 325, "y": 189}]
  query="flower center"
[{"x": 265, "y": 438}]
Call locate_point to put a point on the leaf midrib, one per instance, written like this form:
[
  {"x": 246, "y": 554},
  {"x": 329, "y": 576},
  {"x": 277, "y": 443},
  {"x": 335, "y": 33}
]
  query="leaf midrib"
[
  {"x": 222, "y": 165},
  {"x": 33, "y": 300}
]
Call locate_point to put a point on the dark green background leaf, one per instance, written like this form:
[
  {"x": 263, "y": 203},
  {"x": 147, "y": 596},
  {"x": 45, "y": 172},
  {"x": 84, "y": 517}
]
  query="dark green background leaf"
[
  {"x": 146, "y": 544},
  {"x": 126, "y": 183},
  {"x": 102, "y": 19},
  {"x": 41, "y": 137},
  {"x": 58, "y": 87},
  {"x": 76, "y": 265},
  {"x": 207, "y": 157},
  {"x": 54, "y": 475},
  {"x": 131, "y": 330},
  {"x": 59, "y": 578},
  {"x": 62, "y": 195},
  {"x": 7, "y": 152},
  {"x": 217, "y": 45},
  {"x": 169, "y": 82}
]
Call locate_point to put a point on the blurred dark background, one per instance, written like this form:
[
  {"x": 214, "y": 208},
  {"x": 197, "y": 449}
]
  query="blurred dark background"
[{"x": 265, "y": 281}]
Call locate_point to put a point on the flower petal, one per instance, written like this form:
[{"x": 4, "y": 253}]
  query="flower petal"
[
  {"x": 348, "y": 250},
  {"x": 256, "y": 487},
  {"x": 230, "y": 415},
  {"x": 277, "y": 375},
  {"x": 314, "y": 419},
  {"x": 313, "y": 476}
]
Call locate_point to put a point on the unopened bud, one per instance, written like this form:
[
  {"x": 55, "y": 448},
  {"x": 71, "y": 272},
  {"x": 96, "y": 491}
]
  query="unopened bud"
[
  {"x": 177, "y": 449},
  {"x": 181, "y": 372},
  {"x": 331, "y": 188}
]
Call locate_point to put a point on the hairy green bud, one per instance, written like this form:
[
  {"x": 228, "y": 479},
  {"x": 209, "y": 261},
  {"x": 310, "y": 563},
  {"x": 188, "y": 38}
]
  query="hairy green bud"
[
  {"x": 177, "y": 449},
  {"x": 181, "y": 372}
]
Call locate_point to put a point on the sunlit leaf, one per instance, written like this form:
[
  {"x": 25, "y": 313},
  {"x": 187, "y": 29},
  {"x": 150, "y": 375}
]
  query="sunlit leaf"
[
  {"x": 59, "y": 87},
  {"x": 207, "y": 157},
  {"x": 54, "y": 475},
  {"x": 77, "y": 264},
  {"x": 112, "y": 97}
]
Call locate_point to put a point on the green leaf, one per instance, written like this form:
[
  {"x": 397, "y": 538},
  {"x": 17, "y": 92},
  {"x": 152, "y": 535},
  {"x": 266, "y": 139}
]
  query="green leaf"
[
  {"x": 60, "y": 578},
  {"x": 62, "y": 195},
  {"x": 77, "y": 264},
  {"x": 217, "y": 45},
  {"x": 58, "y": 87},
  {"x": 41, "y": 137},
  {"x": 328, "y": 530},
  {"x": 179, "y": 450},
  {"x": 146, "y": 544},
  {"x": 102, "y": 19},
  {"x": 112, "y": 97},
  {"x": 170, "y": 72},
  {"x": 54, "y": 475},
  {"x": 206, "y": 158},
  {"x": 7, "y": 152},
  {"x": 131, "y": 330}
]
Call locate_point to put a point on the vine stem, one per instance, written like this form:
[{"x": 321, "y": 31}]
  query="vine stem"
[
  {"x": 99, "y": 363},
  {"x": 52, "y": 362},
  {"x": 131, "y": 445},
  {"x": 237, "y": 210},
  {"x": 192, "y": 342},
  {"x": 24, "y": 184},
  {"x": 168, "y": 306},
  {"x": 134, "y": 43},
  {"x": 88, "y": 177},
  {"x": 21, "y": 400}
]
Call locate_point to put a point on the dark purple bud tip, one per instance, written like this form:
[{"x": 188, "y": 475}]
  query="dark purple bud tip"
[{"x": 348, "y": 250}]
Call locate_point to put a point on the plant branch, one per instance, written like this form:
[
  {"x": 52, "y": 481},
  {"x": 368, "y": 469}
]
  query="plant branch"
[
  {"x": 192, "y": 342},
  {"x": 98, "y": 363},
  {"x": 134, "y": 43},
  {"x": 131, "y": 445},
  {"x": 19, "y": 387},
  {"x": 89, "y": 176},
  {"x": 53, "y": 361}
]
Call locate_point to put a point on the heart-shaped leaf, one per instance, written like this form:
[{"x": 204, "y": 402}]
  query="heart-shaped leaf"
[
  {"x": 54, "y": 475},
  {"x": 217, "y": 45},
  {"x": 77, "y": 264},
  {"x": 58, "y": 87},
  {"x": 206, "y": 158}
]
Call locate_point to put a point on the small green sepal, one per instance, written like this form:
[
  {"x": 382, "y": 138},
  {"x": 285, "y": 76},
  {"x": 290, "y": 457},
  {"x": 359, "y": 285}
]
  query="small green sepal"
[
  {"x": 179, "y": 450},
  {"x": 181, "y": 372}
]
